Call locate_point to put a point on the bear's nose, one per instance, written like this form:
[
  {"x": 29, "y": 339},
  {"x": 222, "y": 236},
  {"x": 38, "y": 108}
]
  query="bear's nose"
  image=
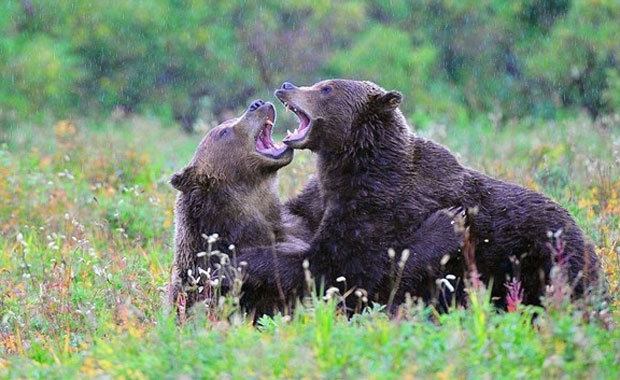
[
  {"x": 288, "y": 86},
  {"x": 255, "y": 104}
]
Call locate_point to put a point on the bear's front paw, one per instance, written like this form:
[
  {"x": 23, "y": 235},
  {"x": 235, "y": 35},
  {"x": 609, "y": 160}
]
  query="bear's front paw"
[
  {"x": 445, "y": 228},
  {"x": 459, "y": 218}
]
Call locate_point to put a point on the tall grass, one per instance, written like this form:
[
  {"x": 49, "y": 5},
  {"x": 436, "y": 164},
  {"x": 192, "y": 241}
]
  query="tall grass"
[{"x": 85, "y": 250}]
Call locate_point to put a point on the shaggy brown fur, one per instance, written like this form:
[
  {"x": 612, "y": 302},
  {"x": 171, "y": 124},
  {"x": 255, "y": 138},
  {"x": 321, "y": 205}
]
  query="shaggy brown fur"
[
  {"x": 379, "y": 183},
  {"x": 229, "y": 188}
]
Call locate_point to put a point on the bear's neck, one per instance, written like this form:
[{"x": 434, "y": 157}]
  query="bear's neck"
[
  {"x": 228, "y": 209},
  {"x": 242, "y": 200},
  {"x": 377, "y": 151}
]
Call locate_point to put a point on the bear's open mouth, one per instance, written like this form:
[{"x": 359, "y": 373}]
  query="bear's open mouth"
[
  {"x": 302, "y": 130},
  {"x": 264, "y": 143}
]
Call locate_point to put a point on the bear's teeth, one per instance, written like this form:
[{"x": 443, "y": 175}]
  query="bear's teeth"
[
  {"x": 269, "y": 122},
  {"x": 288, "y": 132},
  {"x": 287, "y": 107}
]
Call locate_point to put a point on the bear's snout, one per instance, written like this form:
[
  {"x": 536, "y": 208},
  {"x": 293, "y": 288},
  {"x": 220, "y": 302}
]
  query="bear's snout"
[
  {"x": 288, "y": 86},
  {"x": 256, "y": 104}
]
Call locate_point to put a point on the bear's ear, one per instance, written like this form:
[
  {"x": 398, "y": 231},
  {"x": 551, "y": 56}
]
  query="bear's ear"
[
  {"x": 388, "y": 101},
  {"x": 185, "y": 179}
]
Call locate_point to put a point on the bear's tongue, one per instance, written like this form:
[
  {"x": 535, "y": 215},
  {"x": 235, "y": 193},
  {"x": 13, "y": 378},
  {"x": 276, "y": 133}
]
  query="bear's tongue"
[
  {"x": 264, "y": 143},
  {"x": 302, "y": 130}
]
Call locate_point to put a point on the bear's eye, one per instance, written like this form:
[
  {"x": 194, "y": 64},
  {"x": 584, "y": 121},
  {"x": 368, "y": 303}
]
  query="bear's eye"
[
  {"x": 223, "y": 133},
  {"x": 326, "y": 90}
]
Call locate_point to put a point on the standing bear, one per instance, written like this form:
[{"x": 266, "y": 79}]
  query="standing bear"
[
  {"x": 378, "y": 183},
  {"x": 229, "y": 188}
]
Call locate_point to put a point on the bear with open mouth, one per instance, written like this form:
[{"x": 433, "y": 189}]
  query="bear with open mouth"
[
  {"x": 379, "y": 183},
  {"x": 229, "y": 188}
]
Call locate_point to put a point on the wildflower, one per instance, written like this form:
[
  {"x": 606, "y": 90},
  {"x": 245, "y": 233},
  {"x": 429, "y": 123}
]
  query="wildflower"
[
  {"x": 207, "y": 272},
  {"x": 403, "y": 258},
  {"x": 331, "y": 292},
  {"x": 224, "y": 259},
  {"x": 20, "y": 239},
  {"x": 405, "y": 255},
  {"x": 446, "y": 283},
  {"x": 213, "y": 238},
  {"x": 514, "y": 297},
  {"x": 557, "y": 249},
  {"x": 391, "y": 253},
  {"x": 444, "y": 260}
]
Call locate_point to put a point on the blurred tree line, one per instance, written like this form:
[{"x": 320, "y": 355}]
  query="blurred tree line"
[{"x": 452, "y": 59}]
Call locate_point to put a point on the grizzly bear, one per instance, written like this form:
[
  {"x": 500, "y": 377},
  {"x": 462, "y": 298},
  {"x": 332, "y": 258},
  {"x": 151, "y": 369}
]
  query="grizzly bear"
[
  {"x": 379, "y": 182},
  {"x": 229, "y": 188}
]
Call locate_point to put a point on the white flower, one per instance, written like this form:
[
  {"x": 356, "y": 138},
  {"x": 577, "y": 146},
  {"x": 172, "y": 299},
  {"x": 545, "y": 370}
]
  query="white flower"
[
  {"x": 444, "y": 260},
  {"x": 205, "y": 272},
  {"x": 405, "y": 255},
  {"x": 391, "y": 253},
  {"x": 331, "y": 292},
  {"x": 213, "y": 238},
  {"x": 224, "y": 259},
  {"x": 20, "y": 239},
  {"x": 446, "y": 283}
]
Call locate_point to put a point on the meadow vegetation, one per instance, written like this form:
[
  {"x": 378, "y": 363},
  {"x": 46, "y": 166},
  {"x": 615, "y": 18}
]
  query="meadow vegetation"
[
  {"x": 85, "y": 250},
  {"x": 91, "y": 98}
]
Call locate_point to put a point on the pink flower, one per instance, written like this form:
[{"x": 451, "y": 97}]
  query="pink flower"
[{"x": 514, "y": 298}]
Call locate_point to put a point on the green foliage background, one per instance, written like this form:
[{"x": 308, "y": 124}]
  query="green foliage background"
[{"x": 181, "y": 58}]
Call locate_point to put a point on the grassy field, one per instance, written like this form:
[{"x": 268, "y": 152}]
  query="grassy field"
[{"x": 85, "y": 249}]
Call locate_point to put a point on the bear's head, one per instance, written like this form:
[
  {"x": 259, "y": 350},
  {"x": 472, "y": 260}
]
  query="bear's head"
[
  {"x": 237, "y": 151},
  {"x": 335, "y": 111}
]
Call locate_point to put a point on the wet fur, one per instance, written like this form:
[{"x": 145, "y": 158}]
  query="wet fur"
[{"x": 380, "y": 185}]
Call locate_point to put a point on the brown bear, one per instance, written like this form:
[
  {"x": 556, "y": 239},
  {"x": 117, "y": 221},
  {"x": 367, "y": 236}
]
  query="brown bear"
[
  {"x": 379, "y": 182},
  {"x": 229, "y": 188}
]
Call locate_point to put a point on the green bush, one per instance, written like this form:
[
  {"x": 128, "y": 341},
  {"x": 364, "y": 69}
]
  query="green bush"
[
  {"x": 182, "y": 58},
  {"x": 38, "y": 73}
]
